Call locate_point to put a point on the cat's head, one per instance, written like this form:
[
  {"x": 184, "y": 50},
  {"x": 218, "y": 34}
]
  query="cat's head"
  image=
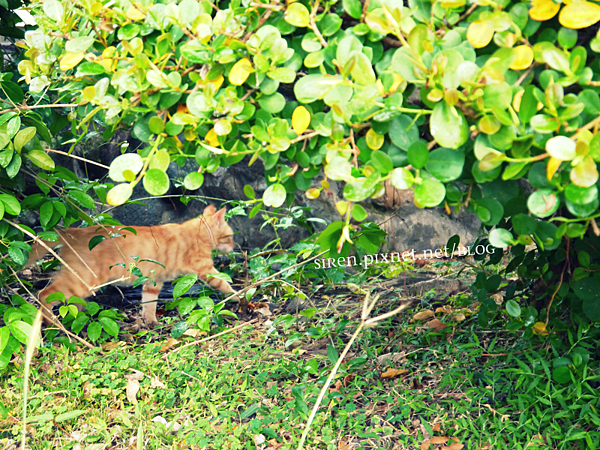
[{"x": 222, "y": 233}]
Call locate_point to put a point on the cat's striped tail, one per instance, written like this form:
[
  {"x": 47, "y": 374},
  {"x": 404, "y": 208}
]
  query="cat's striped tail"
[{"x": 38, "y": 251}]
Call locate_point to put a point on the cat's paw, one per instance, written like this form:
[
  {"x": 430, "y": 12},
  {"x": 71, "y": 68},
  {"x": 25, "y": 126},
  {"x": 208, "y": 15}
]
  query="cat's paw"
[{"x": 151, "y": 322}]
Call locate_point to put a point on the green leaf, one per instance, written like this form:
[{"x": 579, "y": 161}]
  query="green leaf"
[
  {"x": 362, "y": 71},
  {"x": 314, "y": 87},
  {"x": 79, "y": 44},
  {"x": 249, "y": 191},
  {"x": 156, "y": 182},
  {"x": 402, "y": 178},
  {"x": 418, "y": 154},
  {"x": 193, "y": 181},
  {"x": 11, "y": 204},
  {"x": 6, "y": 157},
  {"x": 332, "y": 354},
  {"x": 282, "y": 74},
  {"x": 513, "y": 308},
  {"x": 156, "y": 125},
  {"x": 41, "y": 159},
  {"x": 184, "y": 284},
  {"x": 297, "y": 14},
  {"x": 524, "y": 224},
  {"x": 446, "y": 164},
  {"x": 358, "y": 213},
  {"x": 543, "y": 203},
  {"x": 581, "y": 195},
  {"x": 490, "y": 211},
  {"x": 94, "y": 330},
  {"x": 15, "y": 165},
  {"x": 562, "y": 375},
  {"x": 23, "y": 137},
  {"x": 110, "y": 326},
  {"x": 381, "y": 162},
  {"x": 353, "y": 8},
  {"x": 46, "y": 212},
  {"x": 403, "y": 132},
  {"x": 272, "y": 103},
  {"x": 448, "y": 126},
  {"x": 94, "y": 241},
  {"x": 429, "y": 193},
  {"x": 274, "y": 195},
  {"x": 82, "y": 198}
]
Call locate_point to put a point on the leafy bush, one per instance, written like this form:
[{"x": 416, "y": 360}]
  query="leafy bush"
[{"x": 492, "y": 107}]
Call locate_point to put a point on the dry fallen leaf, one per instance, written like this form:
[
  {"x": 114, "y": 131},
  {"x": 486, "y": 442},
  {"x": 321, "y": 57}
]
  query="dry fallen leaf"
[
  {"x": 193, "y": 332},
  {"x": 455, "y": 446},
  {"x": 343, "y": 444},
  {"x": 443, "y": 310},
  {"x": 169, "y": 345},
  {"x": 459, "y": 317},
  {"x": 264, "y": 311},
  {"x": 136, "y": 375},
  {"x": 133, "y": 386},
  {"x": 436, "y": 427},
  {"x": 259, "y": 439},
  {"x": 439, "y": 440},
  {"x": 111, "y": 345},
  {"x": 424, "y": 445},
  {"x": 156, "y": 383},
  {"x": 336, "y": 387},
  {"x": 391, "y": 373},
  {"x": 436, "y": 325},
  {"x": 422, "y": 315}
]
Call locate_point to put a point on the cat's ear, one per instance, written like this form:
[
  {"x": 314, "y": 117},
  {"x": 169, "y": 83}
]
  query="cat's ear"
[
  {"x": 220, "y": 216},
  {"x": 209, "y": 210}
]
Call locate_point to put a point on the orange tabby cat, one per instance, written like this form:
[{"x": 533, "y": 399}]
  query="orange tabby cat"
[{"x": 182, "y": 248}]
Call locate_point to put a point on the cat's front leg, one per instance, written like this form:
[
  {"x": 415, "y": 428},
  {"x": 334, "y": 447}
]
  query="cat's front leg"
[
  {"x": 149, "y": 299},
  {"x": 216, "y": 283}
]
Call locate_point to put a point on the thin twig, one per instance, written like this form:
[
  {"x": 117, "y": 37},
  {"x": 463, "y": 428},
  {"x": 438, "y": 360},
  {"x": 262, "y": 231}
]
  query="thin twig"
[
  {"x": 212, "y": 337},
  {"x": 78, "y": 255},
  {"x": 313, "y": 25},
  {"x": 595, "y": 228},
  {"x": 43, "y": 244},
  {"x": 305, "y": 136},
  {"x": 78, "y": 157},
  {"x": 525, "y": 74}
]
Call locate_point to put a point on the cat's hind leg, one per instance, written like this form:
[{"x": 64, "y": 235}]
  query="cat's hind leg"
[{"x": 149, "y": 299}]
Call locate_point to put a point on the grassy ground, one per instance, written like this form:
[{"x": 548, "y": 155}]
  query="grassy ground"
[{"x": 409, "y": 383}]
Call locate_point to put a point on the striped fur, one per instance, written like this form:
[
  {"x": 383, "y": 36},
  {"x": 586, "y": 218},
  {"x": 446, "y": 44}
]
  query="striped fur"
[{"x": 182, "y": 248}]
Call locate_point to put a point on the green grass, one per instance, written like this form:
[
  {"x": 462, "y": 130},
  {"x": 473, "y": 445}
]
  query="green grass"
[{"x": 488, "y": 388}]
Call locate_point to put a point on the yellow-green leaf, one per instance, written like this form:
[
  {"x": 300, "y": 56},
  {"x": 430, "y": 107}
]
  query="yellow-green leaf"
[
  {"x": 578, "y": 15},
  {"x": 342, "y": 207},
  {"x": 585, "y": 174},
  {"x": 135, "y": 14},
  {"x": 542, "y": 10},
  {"x": 480, "y": 33},
  {"x": 70, "y": 60},
  {"x": 300, "y": 120},
  {"x": 240, "y": 72},
  {"x": 524, "y": 58},
  {"x": 374, "y": 140},
  {"x": 297, "y": 14},
  {"x": 119, "y": 194},
  {"x": 313, "y": 193}
]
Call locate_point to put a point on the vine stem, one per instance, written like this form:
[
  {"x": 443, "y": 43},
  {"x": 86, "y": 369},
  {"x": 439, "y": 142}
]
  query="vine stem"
[
  {"x": 26, "y": 108},
  {"x": 78, "y": 157},
  {"x": 587, "y": 126}
]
